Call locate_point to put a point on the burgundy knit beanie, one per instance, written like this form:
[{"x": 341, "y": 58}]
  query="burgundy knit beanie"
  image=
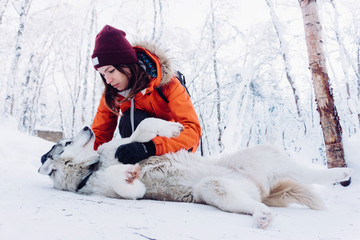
[{"x": 111, "y": 48}]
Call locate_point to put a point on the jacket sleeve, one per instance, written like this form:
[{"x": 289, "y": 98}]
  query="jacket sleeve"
[
  {"x": 104, "y": 124},
  {"x": 183, "y": 112}
]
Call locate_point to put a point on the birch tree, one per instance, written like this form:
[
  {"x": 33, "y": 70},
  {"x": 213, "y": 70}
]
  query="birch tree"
[
  {"x": 285, "y": 57},
  {"x": 329, "y": 118},
  {"x": 158, "y": 20},
  {"x": 216, "y": 75},
  {"x": 206, "y": 65},
  {"x": 22, "y": 10},
  {"x": 87, "y": 62},
  {"x": 31, "y": 87},
  {"x": 59, "y": 103}
]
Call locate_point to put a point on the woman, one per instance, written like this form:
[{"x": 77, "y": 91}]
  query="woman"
[{"x": 132, "y": 77}]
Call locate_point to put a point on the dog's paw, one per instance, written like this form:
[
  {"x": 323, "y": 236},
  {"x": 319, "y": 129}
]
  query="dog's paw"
[
  {"x": 149, "y": 128},
  {"x": 171, "y": 129},
  {"x": 262, "y": 219},
  {"x": 132, "y": 173},
  {"x": 124, "y": 180}
]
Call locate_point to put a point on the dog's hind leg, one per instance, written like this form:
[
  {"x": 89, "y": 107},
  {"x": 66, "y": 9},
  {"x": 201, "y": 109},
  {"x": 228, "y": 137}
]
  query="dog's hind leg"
[
  {"x": 307, "y": 175},
  {"x": 284, "y": 167},
  {"x": 267, "y": 162},
  {"x": 233, "y": 196}
]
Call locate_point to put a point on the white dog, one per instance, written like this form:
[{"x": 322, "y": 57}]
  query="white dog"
[{"x": 246, "y": 181}]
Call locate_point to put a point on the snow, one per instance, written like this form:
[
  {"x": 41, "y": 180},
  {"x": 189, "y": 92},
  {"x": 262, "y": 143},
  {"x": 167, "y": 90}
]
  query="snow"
[{"x": 32, "y": 209}]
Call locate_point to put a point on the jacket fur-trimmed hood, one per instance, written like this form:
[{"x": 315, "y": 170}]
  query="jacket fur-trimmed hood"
[{"x": 167, "y": 72}]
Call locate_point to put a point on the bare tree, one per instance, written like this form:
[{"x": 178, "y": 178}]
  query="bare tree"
[
  {"x": 329, "y": 118},
  {"x": 358, "y": 67},
  {"x": 216, "y": 75},
  {"x": 358, "y": 70},
  {"x": 74, "y": 89},
  {"x": 87, "y": 61},
  {"x": 3, "y": 5},
  {"x": 285, "y": 57},
  {"x": 158, "y": 13},
  {"x": 345, "y": 57},
  {"x": 10, "y": 98},
  {"x": 31, "y": 86},
  {"x": 95, "y": 97},
  {"x": 27, "y": 109},
  {"x": 59, "y": 103}
]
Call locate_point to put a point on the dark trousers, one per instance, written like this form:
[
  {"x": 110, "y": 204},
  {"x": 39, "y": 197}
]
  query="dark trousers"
[{"x": 125, "y": 124}]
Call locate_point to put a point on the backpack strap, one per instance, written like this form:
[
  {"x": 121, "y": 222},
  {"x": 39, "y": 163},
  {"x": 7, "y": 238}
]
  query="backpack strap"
[
  {"x": 181, "y": 79},
  {"x": 159, "y": 90}
]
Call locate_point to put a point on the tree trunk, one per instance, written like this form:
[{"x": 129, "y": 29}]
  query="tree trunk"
[
  {"x": 217, "y": 81},
  {"x": 329, "y": 118},
  {"x": 84, "y": 111},
  {"x": 157, "y": 32},
  {"x": 10, "y": 97},
  {"x": 284, "y": 55},
  {"x": 61, "y": 115}
]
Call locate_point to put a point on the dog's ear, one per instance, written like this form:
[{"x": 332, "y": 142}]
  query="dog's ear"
[{"x": 47, "y": 167}]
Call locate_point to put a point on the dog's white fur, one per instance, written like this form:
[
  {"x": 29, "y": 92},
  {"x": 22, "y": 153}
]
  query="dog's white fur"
[{"x": 246, "y": 181}]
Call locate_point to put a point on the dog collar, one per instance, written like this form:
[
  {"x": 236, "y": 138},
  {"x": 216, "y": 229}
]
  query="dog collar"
[{"x": 92, "y": 168}]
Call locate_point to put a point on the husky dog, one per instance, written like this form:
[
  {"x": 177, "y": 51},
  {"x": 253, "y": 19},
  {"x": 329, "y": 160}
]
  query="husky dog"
[{"x": 246, "y": 181}]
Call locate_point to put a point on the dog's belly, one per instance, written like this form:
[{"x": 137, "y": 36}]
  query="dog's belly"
[
  {"x": 166, "y": 180},
  {"x": 165, "y": 191}
]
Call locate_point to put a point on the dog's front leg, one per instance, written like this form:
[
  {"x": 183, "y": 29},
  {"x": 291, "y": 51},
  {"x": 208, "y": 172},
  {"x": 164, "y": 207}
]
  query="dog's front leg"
[
  {"x": 124, "y": 180},
  {"x": 149, "y": 128},
  {"x": 111, "y": 146}
]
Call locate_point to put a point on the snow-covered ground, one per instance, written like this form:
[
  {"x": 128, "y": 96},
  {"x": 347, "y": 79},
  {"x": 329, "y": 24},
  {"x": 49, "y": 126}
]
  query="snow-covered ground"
[{"x": 31, "y": 209}]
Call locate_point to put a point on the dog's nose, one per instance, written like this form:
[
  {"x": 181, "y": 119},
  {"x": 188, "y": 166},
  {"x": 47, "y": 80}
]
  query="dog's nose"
[
  {"x": 43, "y": 158},
  {"x": 86, "y": 128}
]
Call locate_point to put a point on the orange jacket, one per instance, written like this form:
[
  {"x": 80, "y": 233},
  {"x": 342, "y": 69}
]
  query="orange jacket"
[{"x": 179, "y": 108}]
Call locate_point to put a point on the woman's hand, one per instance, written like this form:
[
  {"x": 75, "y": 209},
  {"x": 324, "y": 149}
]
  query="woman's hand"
[{"x": 132, "y": 153}]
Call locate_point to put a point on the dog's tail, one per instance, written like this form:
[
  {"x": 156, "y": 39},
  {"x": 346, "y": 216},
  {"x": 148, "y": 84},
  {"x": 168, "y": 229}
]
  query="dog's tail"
[{"x": 288, "y": 191}]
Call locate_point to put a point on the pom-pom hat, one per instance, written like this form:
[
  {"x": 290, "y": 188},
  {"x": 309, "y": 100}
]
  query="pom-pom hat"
[{"x": 112, "y": 48}]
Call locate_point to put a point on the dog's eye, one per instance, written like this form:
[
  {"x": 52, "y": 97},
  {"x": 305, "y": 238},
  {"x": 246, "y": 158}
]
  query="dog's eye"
[
  {"x": 52, "y": 173},
  {"x": 67, "y": 143}
]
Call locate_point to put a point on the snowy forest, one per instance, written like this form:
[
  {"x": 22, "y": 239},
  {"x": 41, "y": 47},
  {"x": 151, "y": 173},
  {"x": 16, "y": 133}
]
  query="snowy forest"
[{"x": 246, "y": 65}]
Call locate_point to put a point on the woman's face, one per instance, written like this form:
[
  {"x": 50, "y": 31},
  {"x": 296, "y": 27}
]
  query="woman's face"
[{"x": 114, "y": 77}]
